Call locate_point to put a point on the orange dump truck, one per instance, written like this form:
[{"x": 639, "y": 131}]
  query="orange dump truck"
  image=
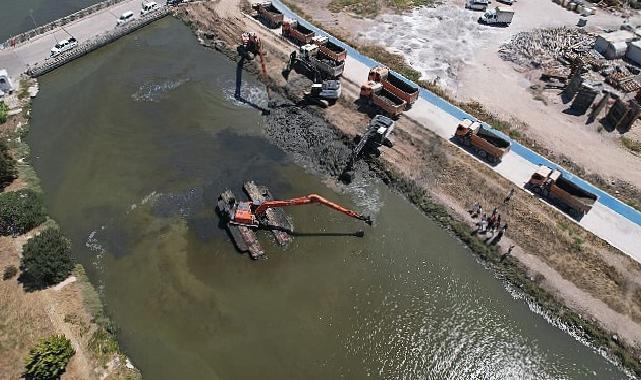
[
  {"x": 295, "y": 31},
  {"x": 330, "y": 49},
  {"x": 550, "y": 184},
  {"x": 375, "y": 93},
  {"x": 487, "y": 144},
  {"x": 394, "y": 84},
  {"x": 269, "y": 13}
]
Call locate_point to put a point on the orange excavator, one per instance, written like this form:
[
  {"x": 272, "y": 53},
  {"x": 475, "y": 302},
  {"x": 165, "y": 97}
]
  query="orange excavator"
[
  {"x": 250, "y": 213},
  {"x": 252, "y": 47}
]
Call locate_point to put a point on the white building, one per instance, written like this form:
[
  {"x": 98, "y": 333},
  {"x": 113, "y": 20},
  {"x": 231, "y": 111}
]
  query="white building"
[
  {"x": 614, "y": 45},
  {"x": 634, "y": 52}
]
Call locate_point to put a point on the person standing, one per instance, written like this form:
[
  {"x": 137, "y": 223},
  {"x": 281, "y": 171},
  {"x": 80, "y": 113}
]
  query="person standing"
[
  {"x": 509, "y": 252},
  {"x": 509, "y": 196}
]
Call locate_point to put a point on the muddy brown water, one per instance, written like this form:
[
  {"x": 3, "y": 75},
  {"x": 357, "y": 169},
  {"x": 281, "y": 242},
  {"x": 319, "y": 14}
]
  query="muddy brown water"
[{"x": 134, "y": 142}]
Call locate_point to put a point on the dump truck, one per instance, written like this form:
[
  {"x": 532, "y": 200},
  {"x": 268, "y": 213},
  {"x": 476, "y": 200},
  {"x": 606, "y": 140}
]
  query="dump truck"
[
  {"x": 394, "y": 84},
  {"x": 295, "y": 31},
  {"x": 486, "y": 143},
  {"x": 389, "y": 103},
  {"x": 497, "y": 16},
  {"x": 268, "y": 13},
  {"x": 551, "y": 184},
  {"x": 309, "y": 57},
  {"x": 330, "y": 49}
]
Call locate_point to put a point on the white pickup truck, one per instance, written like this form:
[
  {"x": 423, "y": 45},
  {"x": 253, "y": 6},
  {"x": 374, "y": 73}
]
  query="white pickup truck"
[
  {"x": 63, "y": 46},
  {"x": 498, "y": 16}
]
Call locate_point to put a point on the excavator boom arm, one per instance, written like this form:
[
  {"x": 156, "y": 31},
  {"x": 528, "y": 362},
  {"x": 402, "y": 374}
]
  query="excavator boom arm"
[{"x": 311, "y": 198}]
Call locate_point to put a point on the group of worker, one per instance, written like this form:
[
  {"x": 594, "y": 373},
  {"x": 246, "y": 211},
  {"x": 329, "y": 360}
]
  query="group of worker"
[
  {"x": 490, "y": 225},
  {"x": 487, "y": 224}
]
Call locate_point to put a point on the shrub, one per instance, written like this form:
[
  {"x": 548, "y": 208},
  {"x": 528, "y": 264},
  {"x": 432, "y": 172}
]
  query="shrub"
[
  {"x": 4, "y": 112},
  {"x": 8, "y": 170},
  {"x": 48, "y": 359},
  {"x": 9, "y": 272},
  {"x": 46, "y": 260},
  {"x": 20, "y": 211}
]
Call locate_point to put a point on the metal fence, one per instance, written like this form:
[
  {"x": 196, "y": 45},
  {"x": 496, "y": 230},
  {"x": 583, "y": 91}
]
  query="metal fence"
[
  {"x": 103, "y": 39},
  {"x": 26, "y": 36}
]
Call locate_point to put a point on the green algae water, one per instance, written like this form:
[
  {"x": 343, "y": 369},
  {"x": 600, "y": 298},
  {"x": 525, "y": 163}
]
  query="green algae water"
[{"x": 133, "y": 144}]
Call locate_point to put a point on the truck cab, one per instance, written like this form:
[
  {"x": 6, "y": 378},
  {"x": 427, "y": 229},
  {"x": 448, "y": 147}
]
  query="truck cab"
[{"x": 308, "y": 51}]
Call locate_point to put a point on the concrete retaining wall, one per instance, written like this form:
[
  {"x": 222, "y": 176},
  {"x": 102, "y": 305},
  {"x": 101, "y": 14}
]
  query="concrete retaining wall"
[
  {"x": 85, "y": 47},
  {"x": 26, "y": 36}
]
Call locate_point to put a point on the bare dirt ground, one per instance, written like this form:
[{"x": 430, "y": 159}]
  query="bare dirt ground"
[
  {"x": 446, "y": 44},
  {"x": 26, "y": 317},
  {"x": 580, "y": 270}
]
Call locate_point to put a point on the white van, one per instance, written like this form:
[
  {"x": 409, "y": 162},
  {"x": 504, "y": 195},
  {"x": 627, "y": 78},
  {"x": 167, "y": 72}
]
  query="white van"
[
  {"x": 149, "y": 7},
  {"x": 125, "y": 18}
]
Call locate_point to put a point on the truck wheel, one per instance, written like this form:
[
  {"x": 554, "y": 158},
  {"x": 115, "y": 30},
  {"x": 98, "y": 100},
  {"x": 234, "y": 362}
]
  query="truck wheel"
[
  {"x": 482, "y": 154},
  {"x": 536, "y": 190}
]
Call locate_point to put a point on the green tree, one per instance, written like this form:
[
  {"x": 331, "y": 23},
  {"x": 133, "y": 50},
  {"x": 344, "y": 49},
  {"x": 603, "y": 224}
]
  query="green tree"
[
  {"x": 4, "y": 112},
  {"x": 20, "y": 211},
  {"x": 8, "y": 170},
  {"x": 46, "y": 260},
  {"x": 48, "y": 359}
]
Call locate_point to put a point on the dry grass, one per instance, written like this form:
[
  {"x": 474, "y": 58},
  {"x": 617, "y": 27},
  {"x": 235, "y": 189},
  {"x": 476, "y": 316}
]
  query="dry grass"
[{"x": 23, "y": 320}]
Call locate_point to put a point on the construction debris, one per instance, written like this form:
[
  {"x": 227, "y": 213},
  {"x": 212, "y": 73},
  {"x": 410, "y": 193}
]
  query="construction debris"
[{"x": 533, "y": 48}]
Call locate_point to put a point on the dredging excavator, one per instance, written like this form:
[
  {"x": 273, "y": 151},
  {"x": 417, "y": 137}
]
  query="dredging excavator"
[
  {"x": 243, "y": 218},
  {"x": 250, "y": 214}
]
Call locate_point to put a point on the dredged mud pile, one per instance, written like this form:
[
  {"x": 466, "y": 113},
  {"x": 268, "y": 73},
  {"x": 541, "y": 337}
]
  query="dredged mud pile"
[{"x": 300, "y": 130}]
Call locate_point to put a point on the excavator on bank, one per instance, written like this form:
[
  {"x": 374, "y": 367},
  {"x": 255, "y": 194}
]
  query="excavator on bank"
[
  {"x": 251, "y": 47},
  {"x": 250, "y": 214}
]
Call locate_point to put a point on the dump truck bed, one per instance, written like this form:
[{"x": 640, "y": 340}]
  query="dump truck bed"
[
  {"x": 329, "y": 67},
  {"x": 333, "y": 51},
  {"x": 400, "y": 88},
  {"x": 493, "y": 138},
  {"x": 390, "y": 98},
  {"x": 389, "y": 102},
  {"x": 302, "y": 30},
  {"x": 586, "y": 198},
  {"x": 401, "y": 84}
]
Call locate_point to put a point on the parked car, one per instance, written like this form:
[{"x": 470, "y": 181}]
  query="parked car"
[
  {"x": 63, "y": 46},
  {"x": 125, "y": 18},
  {"x": 149, "y": 7}
]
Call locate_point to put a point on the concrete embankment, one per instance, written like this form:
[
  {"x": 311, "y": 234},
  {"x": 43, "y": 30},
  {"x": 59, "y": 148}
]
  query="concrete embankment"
[
  {"x": 92, "y": 28},
  {"x": 99, "y": 41}
]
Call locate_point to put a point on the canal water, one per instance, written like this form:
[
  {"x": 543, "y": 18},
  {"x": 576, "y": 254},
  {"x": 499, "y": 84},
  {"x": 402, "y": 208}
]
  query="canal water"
[
  {"x": 18, "y": 16},
  {"x": 134, "y": 142}
]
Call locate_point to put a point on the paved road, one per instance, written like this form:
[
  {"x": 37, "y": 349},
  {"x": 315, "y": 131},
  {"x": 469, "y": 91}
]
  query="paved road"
[
  {"x": 609, "y": 219},
  {"x": 16, "y": 60}
]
